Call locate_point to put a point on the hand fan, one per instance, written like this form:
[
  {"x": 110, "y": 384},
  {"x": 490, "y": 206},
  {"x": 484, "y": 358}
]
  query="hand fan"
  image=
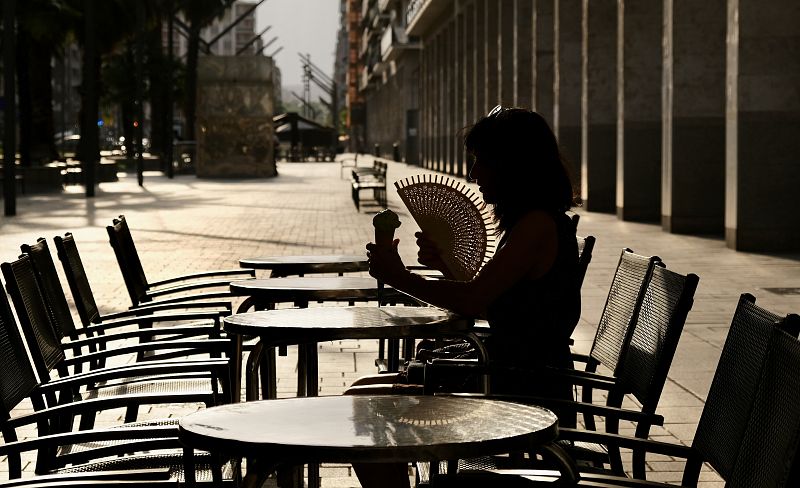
[{"x": 453, "y": 217}]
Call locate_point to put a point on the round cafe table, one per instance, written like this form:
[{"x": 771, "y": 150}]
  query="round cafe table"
[
  {"x": 278, "y": 434},
  {"x": 308, "y": 326},
  {"x": 281, "y": 266},
  {"x": 265, "y": 292}
]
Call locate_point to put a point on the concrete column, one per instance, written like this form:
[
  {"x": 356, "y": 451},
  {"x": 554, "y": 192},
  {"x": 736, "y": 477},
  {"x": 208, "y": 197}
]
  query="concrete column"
[
  {"x": 639, "y": 35},
  {"x": 441, "y": 89},
  {"x": 461, "y": 69},
  {"x": 693, "y": 128},
  {"x": 447, "y": 95},
  {"x": 425, "y": 107},
  {"x": 544, "y": 59},
  {"x": 481, "y": 75},
  {"x": 470, "y": 71},
  {"x": 599, "y": 105},
  {"x": 492, "y": 19},
  {"x": 567, "y": 82},
  {"x": 524, "y": 59},
  {"x": 423, "y": 110},
  {"x": 505, "y": 52},
  {"x": 763, "y": 126}
]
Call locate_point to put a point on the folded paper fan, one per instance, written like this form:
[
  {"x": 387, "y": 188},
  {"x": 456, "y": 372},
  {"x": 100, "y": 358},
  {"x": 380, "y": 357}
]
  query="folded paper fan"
[{"x": 453, "y": 217}]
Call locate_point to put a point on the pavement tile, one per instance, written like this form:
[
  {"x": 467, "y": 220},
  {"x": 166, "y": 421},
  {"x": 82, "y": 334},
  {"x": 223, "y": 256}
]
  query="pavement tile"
[{"x": 189, "y": 224}]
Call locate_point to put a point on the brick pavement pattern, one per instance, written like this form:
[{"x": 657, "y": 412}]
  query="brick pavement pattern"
[{"x": 189, "y": 224}]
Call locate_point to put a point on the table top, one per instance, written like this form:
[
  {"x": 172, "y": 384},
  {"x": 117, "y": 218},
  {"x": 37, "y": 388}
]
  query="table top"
[
  {"x": 326, "y": 263},
  {"x": 319, "y": 324},
  {"x": 307, "y": 288},
  {"x": 364, "y": 428}
]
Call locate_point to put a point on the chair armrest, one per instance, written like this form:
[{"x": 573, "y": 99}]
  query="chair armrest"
[
  {"x": 163, "y": 307},
  {"x": 524, "y": 478},
  {"x": 205, "y": 274},
  {"x": 149, "y": 368},
  {"x": 147, "y": 474},
  {"x": 581, "y": 358},
  {"x": 175, "y": 317},
  {"x": 186, "y": 330},
  {"x": 83, "y": 436},
  {"x": 187, "y": 298},
  {"x": 580, "y": 407},
  {"x": 207, "y": 346},
  {"x": 634, "y": 443},
  {"x": 580, "y": 378},
  {"x": 188, "y": 287}
]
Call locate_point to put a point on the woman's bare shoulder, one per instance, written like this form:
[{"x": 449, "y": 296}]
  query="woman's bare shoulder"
[{"x": 535, "y": 223}]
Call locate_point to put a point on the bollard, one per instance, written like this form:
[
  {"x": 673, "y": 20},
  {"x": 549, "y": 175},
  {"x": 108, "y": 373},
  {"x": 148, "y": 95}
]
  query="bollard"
[
  {"x": 396, "y": 151},
  {"x": 376, "y": 150}
]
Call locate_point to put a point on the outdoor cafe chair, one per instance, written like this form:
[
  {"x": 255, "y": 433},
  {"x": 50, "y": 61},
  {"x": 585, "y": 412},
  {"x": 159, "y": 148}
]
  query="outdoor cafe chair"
[
  {"x": 130, "y": 479},
  {"x": 204, "y": 380},
  {"x": 614, "y": 329},
  {"x": 749, "y": 429},
  {"x": 64, "y": 325},
  {"x": 143, "y": 291},
  {"x": 84, "y": 299},
  {"x": 645, "y": 365},
  {"x": 126, "y": 453}
]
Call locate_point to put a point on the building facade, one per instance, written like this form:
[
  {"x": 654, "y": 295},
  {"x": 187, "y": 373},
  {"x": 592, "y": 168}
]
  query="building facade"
[{"x": 673, "y": 111}]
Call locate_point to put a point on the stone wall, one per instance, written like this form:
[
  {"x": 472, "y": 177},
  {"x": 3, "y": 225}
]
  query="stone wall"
[{"x": 235, "y": 136}]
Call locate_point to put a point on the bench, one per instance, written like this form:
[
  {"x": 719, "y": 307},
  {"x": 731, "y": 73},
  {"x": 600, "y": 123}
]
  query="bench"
[
  {"x": 347, "y": 163},
  {"x": 370, "y": 179}
]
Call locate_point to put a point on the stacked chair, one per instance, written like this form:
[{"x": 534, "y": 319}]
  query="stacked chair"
[
  {"x": 75, "y": 372},
  {"x": 174, "y": 289},
  {"x": 204, "y": 380},
  {"x": 76, "y": 457},
  {"x": 81, "y": 290}
]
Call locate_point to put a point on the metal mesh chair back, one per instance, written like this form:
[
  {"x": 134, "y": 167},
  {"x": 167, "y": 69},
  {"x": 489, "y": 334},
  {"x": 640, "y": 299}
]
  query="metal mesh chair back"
[
  {"x": 43, "y": 344},
  {"x": 622, "y": 307},
  {"x": 50, "y": 285},
  {"x": 730, "y": 398},
  {"x": 128, "y": 260},
  {"x": 585, "y": 248},
  {"x": 17, "y": 380},
  {"x": 655, "y": 336},
  {"x": 76, "y": 278},
  {"x": 770, "y": 441}
]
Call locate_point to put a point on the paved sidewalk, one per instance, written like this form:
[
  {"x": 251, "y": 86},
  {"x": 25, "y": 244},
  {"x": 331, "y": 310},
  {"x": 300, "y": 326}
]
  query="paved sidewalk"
[{"x": 188, "y": 224}]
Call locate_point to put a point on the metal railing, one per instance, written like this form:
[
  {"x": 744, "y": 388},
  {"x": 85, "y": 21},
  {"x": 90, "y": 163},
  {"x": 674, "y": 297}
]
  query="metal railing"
[{"x": 414, "y": 8}]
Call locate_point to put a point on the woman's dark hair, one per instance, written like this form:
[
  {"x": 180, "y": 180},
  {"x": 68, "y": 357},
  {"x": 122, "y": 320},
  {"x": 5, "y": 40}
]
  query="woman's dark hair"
[{"x": 518, "y": 145}]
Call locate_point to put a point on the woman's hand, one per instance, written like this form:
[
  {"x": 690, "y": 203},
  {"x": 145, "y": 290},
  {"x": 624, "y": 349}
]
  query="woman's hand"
[
  {"x": 384, "y": 262},
  {"x": 429, "y": 253}
]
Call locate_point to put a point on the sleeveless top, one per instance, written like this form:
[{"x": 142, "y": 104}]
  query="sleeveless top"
[{"x": 531, "y": 323}]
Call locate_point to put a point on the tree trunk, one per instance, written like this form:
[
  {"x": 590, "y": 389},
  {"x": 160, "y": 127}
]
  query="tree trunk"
[
  {"x": 89, "y": 144},
  {"x": 127, "y": 110},
  {"x": 158, "y": 89},
  {"x": 43, "y": 146},
  {"x": 190, "y": 109},
  {"x": 24, "y": 97}
]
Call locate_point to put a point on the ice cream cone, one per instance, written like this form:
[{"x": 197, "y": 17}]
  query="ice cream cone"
[{"x": 385, "y": 223}]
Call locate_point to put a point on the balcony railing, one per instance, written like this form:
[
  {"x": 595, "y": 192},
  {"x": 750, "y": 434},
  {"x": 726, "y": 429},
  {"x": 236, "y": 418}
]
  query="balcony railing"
[
  {"x": 413, "y": 9},
  {"x": 394, "y": 40},
  {"x": 421, "y": 15}
]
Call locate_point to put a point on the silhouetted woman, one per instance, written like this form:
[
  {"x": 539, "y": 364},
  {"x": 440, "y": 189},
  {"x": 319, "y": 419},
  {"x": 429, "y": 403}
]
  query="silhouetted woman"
[{"x": 528, "y": 291}]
